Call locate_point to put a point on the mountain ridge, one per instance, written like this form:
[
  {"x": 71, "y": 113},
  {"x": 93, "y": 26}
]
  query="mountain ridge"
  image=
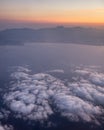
[{"x": 59, "y": 34}]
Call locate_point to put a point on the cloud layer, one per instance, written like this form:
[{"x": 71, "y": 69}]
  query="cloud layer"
[
  {"x": 32, "y": 96},
  {"x": 6, "y": 127}
]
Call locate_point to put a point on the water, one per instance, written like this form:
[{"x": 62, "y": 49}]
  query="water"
[
  {"x": 53, "y": 59},
  {"x": 51, "y": 56}
]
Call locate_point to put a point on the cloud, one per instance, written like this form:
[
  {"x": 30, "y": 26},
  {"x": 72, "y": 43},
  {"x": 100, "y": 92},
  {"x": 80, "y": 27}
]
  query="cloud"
[
  {"x": 1, "y": 115},
  {"x": 88, "y": 92},
  {"x": 97, "y": 79},
  {"x": 6, "y": 127},
  {"x": 55, "y": 71},
  {"x": 1, "y": 128},
  {"x": 21, "y": 107},
  {"x": 74, "y": 108},
  {"x": 32, "y": 96}
]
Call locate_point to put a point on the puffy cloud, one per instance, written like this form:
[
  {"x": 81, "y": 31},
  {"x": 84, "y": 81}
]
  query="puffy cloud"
[
  {"x": 82, "y": 72},
  {"x": 1, "y": 115},
  {"x": 6, "y": 127},
  {"x": 4, "y": 113},
  {"x": 1, "y": 128},
  {"x": 21, "y": 68},
  {"x": 97, "y": 78},
  {"x": 88, "y": 92},
  {"x": 21, "y": 107},
  {"x": 74, "y": 108},
  {"x": 20, "y": 76},
  {"x": 31, "y": 96},
  {"x": 55, "y": 71}
]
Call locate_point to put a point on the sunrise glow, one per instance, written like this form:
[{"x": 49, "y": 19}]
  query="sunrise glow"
[{"x": 53, "y": 12}]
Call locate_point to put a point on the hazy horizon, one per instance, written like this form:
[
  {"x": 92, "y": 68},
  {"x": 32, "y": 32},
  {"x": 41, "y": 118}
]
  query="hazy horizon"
[
  {"x": 47, "y": 13},
  {"x": 9, "y": 25}
]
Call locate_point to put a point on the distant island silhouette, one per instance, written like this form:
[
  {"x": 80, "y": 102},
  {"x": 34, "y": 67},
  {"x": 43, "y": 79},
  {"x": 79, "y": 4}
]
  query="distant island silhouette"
[{"x": 59, "y": 34}]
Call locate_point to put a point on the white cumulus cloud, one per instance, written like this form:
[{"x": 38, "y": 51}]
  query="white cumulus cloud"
[{"x": 31, "y": 96}]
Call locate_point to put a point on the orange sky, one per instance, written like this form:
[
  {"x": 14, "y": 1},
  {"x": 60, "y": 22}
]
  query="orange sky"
[
  {"x": 72, "y": 16},
  {"x": 56, "y": 11}
]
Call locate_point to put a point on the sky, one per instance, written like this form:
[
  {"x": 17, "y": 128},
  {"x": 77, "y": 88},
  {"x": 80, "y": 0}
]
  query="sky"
[{"x": 47, "y": 12}]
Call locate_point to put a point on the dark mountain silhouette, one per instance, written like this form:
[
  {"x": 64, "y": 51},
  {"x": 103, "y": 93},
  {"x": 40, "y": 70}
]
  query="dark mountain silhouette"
[{"x": 58, "y": 34}]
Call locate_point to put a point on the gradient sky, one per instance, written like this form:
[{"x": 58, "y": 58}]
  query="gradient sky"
[{"x": 51, "y": 11}]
